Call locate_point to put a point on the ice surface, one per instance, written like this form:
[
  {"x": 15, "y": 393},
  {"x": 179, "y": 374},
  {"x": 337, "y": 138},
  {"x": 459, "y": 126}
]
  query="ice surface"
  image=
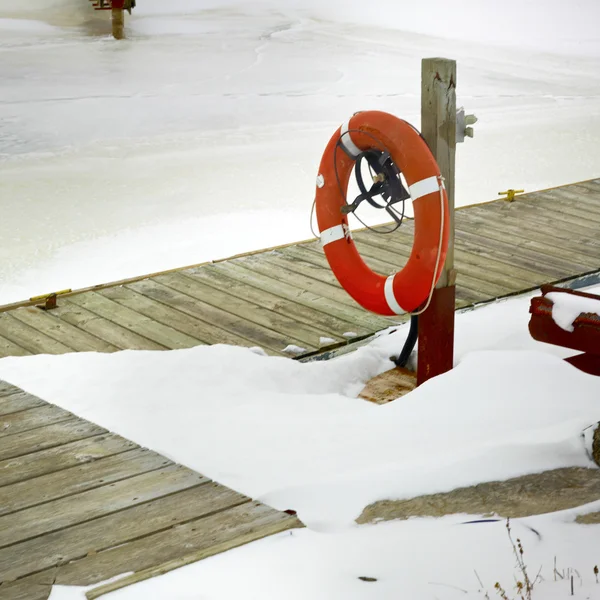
[{"x": 200, "y": 135}]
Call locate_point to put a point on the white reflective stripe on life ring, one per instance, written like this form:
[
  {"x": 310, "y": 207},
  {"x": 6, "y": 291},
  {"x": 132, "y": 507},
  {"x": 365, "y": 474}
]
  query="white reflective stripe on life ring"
[
  {"x": 333, "y": 234},
  {"x": 390, "y": 298},
  {"x": 351, "y": 148},
  {"x": 424, "y": 187}
]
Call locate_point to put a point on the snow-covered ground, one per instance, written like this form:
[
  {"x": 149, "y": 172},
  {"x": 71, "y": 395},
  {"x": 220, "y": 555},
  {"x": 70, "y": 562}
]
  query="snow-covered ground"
[
  {"x": 295, "y": 436},
  {"x": 200, "y": 135}
]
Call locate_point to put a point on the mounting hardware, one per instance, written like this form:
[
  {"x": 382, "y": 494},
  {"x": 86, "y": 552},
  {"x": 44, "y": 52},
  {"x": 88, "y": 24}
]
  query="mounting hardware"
[
  {"x": 510, "y": 194},
  {"x": 49, "y": 299},
  {"x": 462, "y": 125}
]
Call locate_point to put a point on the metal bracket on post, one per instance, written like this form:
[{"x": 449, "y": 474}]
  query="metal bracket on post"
[{"x": 463, "y": 125}]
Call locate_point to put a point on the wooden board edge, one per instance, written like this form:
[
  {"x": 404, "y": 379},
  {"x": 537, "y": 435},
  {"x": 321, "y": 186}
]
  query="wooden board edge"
[{"x": 143, "y": 575}]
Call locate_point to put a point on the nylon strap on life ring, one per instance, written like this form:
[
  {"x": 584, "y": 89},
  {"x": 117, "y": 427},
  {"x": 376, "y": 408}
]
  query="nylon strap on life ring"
[{"x": 410, "y": 288}]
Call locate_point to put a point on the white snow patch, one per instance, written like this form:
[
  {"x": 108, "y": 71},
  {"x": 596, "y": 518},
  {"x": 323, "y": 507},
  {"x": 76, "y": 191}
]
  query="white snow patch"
[
  {"x": 418, "y": 559},
  {"x": 567, "y": 307},
  {"x": 295, "y": 436},
  {"x": 293, "y": 349},
  {"x": 326, "y": 340}
]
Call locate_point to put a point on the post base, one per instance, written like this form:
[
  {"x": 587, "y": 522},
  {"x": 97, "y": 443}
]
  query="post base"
[{"x": 436, "y": 335}]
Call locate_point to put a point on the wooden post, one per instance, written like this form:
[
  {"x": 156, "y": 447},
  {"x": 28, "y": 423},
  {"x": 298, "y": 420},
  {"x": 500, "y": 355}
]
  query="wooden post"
[
  {"x": 118, "y": 21},
  {"x": 438, "y": 126}
]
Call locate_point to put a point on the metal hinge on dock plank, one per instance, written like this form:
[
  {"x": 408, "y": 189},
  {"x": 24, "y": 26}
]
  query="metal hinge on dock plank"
[{"x": 48, "y": 299}]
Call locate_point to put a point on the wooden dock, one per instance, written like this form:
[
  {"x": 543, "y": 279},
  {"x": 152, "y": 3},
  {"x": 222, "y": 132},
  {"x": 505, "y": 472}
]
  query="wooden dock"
[
  {"x": 288, "y": 296},
  {"x": 80, "y": 505}
]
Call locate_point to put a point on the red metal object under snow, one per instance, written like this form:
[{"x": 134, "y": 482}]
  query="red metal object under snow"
[
  {"x": 108, "y": 4},
  {"x": 585, "y": 337}
]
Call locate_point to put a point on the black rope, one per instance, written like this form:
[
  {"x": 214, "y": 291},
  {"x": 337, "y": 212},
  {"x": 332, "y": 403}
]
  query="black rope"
[{"x": 391, "y": 191}]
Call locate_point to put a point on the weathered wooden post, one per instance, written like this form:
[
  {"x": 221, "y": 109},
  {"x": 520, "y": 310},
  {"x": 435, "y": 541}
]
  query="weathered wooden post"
[
  {"x": 438, "y": 126},
  {"x": 118, "y": 19}
]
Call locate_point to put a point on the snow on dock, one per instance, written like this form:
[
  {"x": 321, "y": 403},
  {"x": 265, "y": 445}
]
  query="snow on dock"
[{"x": 80, "y": 505}]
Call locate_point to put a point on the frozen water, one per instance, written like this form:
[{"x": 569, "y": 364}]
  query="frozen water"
[{"x": 200, "y": 135}]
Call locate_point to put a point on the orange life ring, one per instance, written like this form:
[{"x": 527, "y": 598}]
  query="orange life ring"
[{"x": 408, "y": 289}]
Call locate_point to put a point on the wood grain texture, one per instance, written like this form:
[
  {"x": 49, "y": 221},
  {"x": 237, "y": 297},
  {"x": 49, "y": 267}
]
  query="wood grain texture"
[
  {"x": 72, "y": 336},
  {"x": 296, "y": 332},
  {"x": 90, "y": 541},
  {"x": 70, "y": 454},
  {"x": 81, "y": 478},
  {"x": 18, "y": 401},
  {"x": 105, "y": 329},
  {"x": 178, "y": 542},
  {"x": 85, "y": 506},
  {"x": 29, "y": 338},
  {"x": 31, "y": 418},
  {"x": 42, "y": 438},
  {"x": 134, "y": 321}
]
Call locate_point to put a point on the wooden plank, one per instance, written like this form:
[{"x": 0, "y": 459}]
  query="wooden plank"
[
  {"x": 275, "y": 303},
  {"x": 9, "y": 348},
  {"x": 579, "y": 260},
  {"x": 61, "y": 457},
  {"x": 244, "y": 537},
  {"x": 25, "y": 590},
  {"x": 29, "y": 338},
  {"x": 555, "y": 237},
  {"x": 200, "y": 331},
  {"x": 61, "y": 547},
  {"x": 92, "y": 504},
  {"x": 7, "y": 389},
  {"x": 87, "y": 476},
  {"x": 279, "y": 269},
  {"x": 532, "y": 214},
  {"x": 130, "y": 319},
  {"x": 223, "y": 530},
  {"x": 47, "y": 437},
  {"x": 559, "y": 201},
  {"x": 291, "y": 291},
  {"x": 498, "y": 270},
  {"x": 488, "y": 289},
  {"x": 221, "y": 326},
  {"x": 238, "y": 328},
  {"x": 463, "y": 295},
  {"x": 498, "y": 274},
  {"x": 593, "y": 189},
  {"x": 543, "y": 254},
  {"x": 389, "y": 386},
  {"x": 584, "y": 196},
  {"x": 104, "y": 329},
  {"x": 297, "y": 333},
  {"x": 480, "y": 246},
  {"x": 301, "y": 260},
  {"x": 32, "y": 418},
  {"x": 61, "y": 331},
  {"x": 18, "y": 401}
]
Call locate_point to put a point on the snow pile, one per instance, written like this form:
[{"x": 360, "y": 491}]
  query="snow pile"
[
  {"x": 567, "y": 307},
  {"x": 295, "y": 436},
  {"x": 419, "y": 559}
]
